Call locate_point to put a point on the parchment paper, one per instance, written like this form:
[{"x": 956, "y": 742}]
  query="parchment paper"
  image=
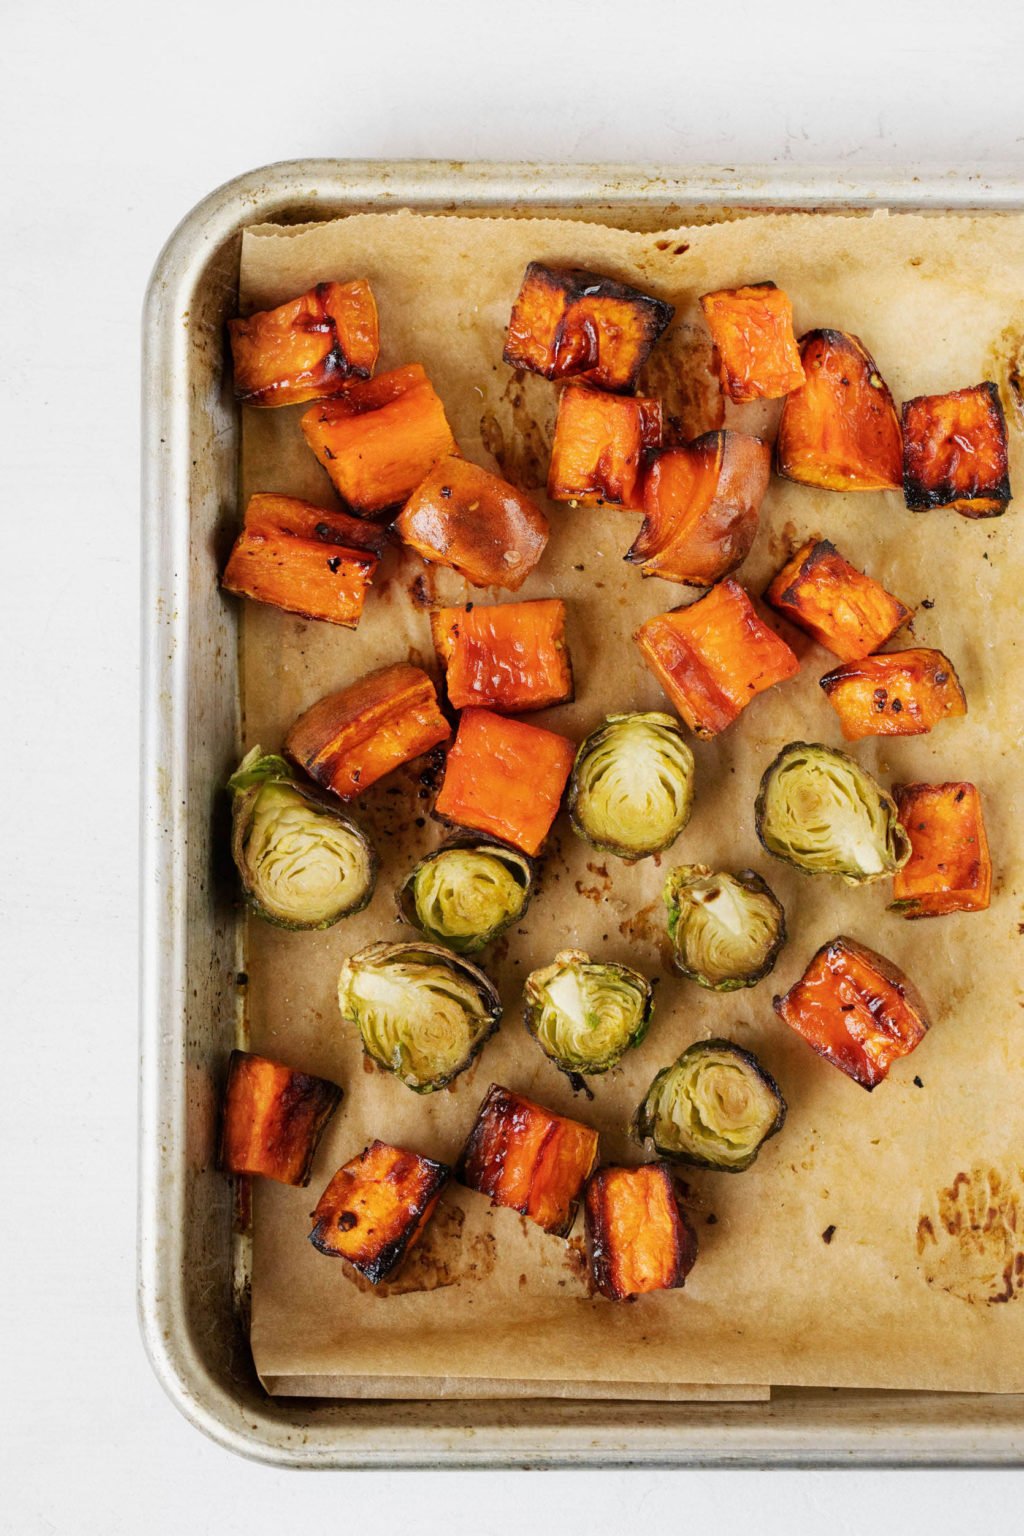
[{"x": 879, "y": 1240}]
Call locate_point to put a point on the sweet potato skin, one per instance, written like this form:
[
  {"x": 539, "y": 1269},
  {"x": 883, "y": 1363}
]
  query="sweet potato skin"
[
  {"x": 756, "y": 346},
  {"x": 374, "y": 1210},
  {"x": 846, "y": 611},
  {"x": 638, "y": 1238},
  {"x": 901, "y": 693},
  {"x": 527, "y": 1158},
  {"x": 273, "y": 1118},
  {"x": 600, "y": 446},
  {"x": 348, "y": 740},
  {"x": 464, "y": 517},
  {"x": 949, "y": 869},
  {"x": 509, "y": 658},
  {"x": 955, "y": 452},
  {"x": 840, "y": 431},
  {"x": 857, "y": 1009},
  {"x": 303, "y": 559},
  {"x": 505, "y": 777},
  {"x": 312, "y": 347}
]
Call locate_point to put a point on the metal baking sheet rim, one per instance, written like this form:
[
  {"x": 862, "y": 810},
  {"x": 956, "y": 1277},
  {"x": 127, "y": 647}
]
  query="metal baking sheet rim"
[{"x": 796, "y": 1428}]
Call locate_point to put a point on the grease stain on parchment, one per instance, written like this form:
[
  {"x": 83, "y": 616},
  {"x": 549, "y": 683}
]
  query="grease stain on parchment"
[
  {"x": 970, "y": 1241},
  {"x": 442, "y": 1257},
  {"x": 517, "y": 434},
  {"x": 681, "y": 373}
]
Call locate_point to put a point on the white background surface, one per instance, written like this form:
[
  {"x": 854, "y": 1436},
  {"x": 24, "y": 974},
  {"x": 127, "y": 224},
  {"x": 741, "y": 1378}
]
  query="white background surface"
[{"x": 116, "y": 118}]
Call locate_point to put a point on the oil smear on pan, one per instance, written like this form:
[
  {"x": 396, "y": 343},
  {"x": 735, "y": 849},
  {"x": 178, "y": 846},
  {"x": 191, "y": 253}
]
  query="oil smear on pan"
[
  {"x": 970, "y": 1242},
  {"x": 440, "y": 1258}
]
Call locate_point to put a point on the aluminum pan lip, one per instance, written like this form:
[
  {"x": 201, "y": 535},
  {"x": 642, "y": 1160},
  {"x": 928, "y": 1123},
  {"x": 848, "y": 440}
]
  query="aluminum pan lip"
[{"x": 854, "y": 1429}]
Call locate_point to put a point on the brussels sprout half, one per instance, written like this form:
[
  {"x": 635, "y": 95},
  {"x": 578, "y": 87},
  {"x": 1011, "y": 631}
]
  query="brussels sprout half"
[
  {"x": 467, "y": 893},
  {"x": 715, "y": 1108},
  {"x": 422, "y": 1012},
  {"x": 586, "y": 1014},
  {"x": 818, "y": 809},
  {"x": 302, "y": 861},
  {"x": 631, "y": 790},
  {"x": 726, "y": 930}
]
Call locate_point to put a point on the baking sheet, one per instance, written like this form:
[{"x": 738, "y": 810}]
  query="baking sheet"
[{"x": 922, "y": 1186}]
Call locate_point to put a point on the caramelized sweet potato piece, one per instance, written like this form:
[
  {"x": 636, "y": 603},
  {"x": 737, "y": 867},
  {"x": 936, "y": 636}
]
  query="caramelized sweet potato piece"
[
  {"x": 379, "y": 440},
  {"x": 505, "y": 777},
  {"x": 955, "y": 452},
  {"x": 903, "y": 693},
  {"x": 638, "y": 1237},
  {"x": 375, "y": 1208},
  {"x": 510, "y": 658},
  {"x": 273, "y": 1118},
  {"x": 567, "y": 323},
  {"x": 839, "y": 430},
  {"x": 467, "y": 518},
  {"x": 714, "y": 656},
  {"x": 847, "y": 612},
  {"x": 350, "y": 739},
  {"x": 597, "y": 456},
  {"x": 857, "y": 1009},
  {"x": 752, "y": 329},
  {"x": 949, "y": 869},
  {"x": 528, "y": 1158},
  {"x": 313, "y": 346},
  {"x": 701, "y": 506}
]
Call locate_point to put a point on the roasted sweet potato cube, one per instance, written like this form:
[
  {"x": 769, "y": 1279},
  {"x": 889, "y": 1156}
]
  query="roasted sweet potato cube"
[
  {"x": 839, "y": 431},
  {"x": 528, "y": 1158},
  {"x": 509, "y": 658},
  {"x": 350, "y": 739},
  {"x": 847, "y": 612},
  {"x": 304, "y": 559},
  {"x": 949, "y": 869},
  {"x": 597, "y": 457},
  {"x": 567, "y": 323},
  {"x": 955, "y": 452},
  {"x": 638, "y": 1237},
  {"x": 273, "y": 1118},
  {"x": 857, "y": 1009},
  {"x": 314, "y": 346},
  {"x": 505, "y": 777},
  {"x": 903, "y": 693},
  {"x": 752, "y": 329},
  {"x": 701, "y": 506},
  {"x": 713, "y": 657},
  {"x": 374, "y": 1210},
  {"x": 464, "y": 517},
  {"x": 381, "y": 438}
]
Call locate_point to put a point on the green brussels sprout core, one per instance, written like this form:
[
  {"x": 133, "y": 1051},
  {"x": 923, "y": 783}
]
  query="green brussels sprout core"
[
  {"x": 631, "y": 790},
  {"x": 715, "y": 1107},
  {"x": 465, "y": 895},
  {"x": 726, "y": 930},
  {"x": 585, "y": 1015}
]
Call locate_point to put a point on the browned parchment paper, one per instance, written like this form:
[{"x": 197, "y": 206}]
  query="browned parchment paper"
[{"x": 920, "y": 1185}]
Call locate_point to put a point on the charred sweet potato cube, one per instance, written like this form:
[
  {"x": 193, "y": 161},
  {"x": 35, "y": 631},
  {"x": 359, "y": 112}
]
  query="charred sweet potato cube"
[
  {"x": 505, "y": 777},
  {"x": 955, "y": 452},
  {"x": 375, "y": 1208},
  {"x": 949, "y": 869},
  {"x": 567, "y": 323},
  {"x": 379, "y": 440},
  {"x": 350, "y": 739},
  {"x": 857, "y": 1009},
  {"x": 756, "y": 347},
  {"x": 528, "y": 1158},
  {"x": 600, "y": 444},
  {"x": 701, "y": 506},
  {"x": 847, "y": 612},
  {"x": 713, "y": 657},
  {"x": 464, "y": 517},
  {"x": 509, "y": 658},
  {"x": 839, "y": 431},
  {"x": 903, "y": 693},
  {"x": 638, "y": 1238},
  {"x": 273, "y": 1118},
  {"x": 314, "y": 346}
]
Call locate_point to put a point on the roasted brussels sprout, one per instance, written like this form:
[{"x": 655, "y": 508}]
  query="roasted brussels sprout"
[
  {"x": 303, "y": 863},
  {"x": 715, "y": 1108},
  {"x": 726, "y": 930},
  {"x": 586, "y": 1014},
  {"x": 423, "y": 1014},
  {"x": 466, "y": 893},
  {"x": 818, "y": 809},
  {"x": 631, "y": 790}
]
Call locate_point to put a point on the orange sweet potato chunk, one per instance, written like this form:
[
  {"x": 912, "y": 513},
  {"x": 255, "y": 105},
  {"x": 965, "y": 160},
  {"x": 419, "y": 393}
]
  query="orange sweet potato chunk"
[
  {"x": 528, "y": 1158},
  {"x": 902, "y": 693},
  {"x": 505, "y": 777},
  {"x": 374, "y": 1210},
  {"x": 713, "y": 657},
  {"x": 638, "y": 1238},
  {"x": 348, "y": 740},
  {"x": 847, "y": 612},
  {"x": 464, "y": 517},
  {"x": 309, "y": 348},
  {"x": 597, "y": 457},
  {"x": 273, "y": 1118},
  {"x": 752, "y": 329},
  {"x": 955, "y": 452},
  {"x": 509, "y": 658},
  {"x": 839, "y": 431},
  {"x": 949, "y": 869}
]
